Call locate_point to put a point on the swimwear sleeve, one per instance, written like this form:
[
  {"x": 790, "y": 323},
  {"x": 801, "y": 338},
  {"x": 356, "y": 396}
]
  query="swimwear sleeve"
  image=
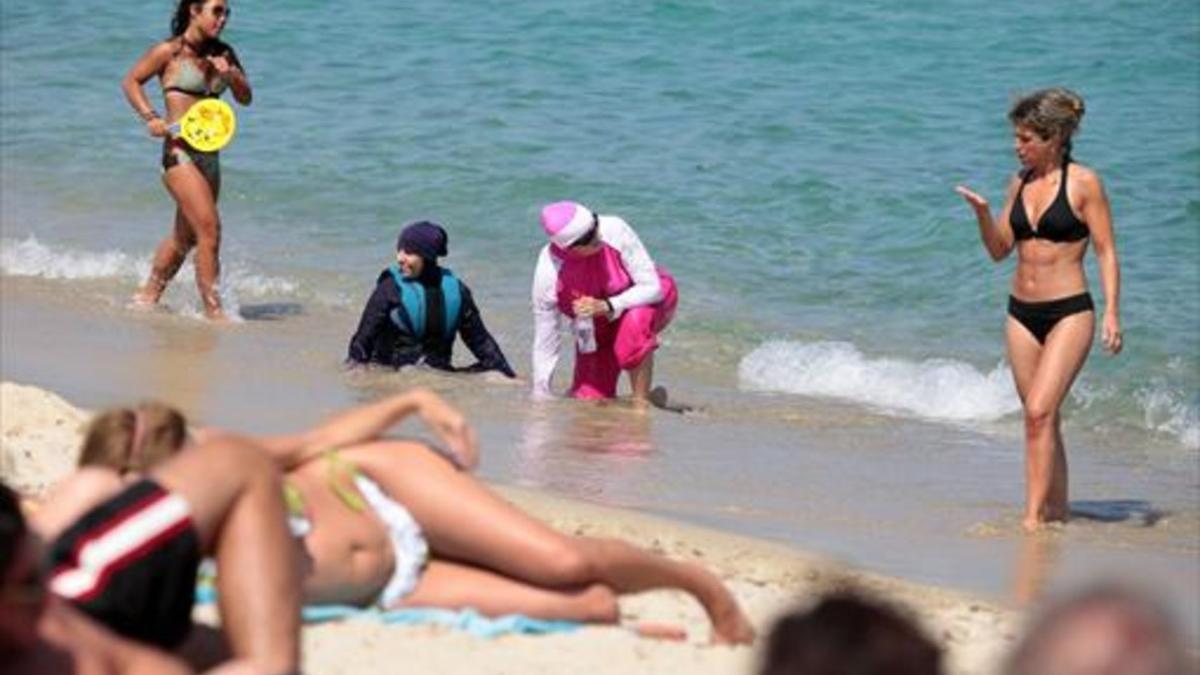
[
  {"x": 477, "y": 338},
  {"x": 546, "y": 323},
  {"x": 374, "y": 319},
  {"x": 646, "y": 288}
]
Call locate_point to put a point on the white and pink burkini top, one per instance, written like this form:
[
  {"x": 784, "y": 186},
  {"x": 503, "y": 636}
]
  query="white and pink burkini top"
[{"x": 622, "y": 272}]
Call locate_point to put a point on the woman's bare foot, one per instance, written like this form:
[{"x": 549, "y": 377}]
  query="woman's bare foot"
[
  {"x": 732, "y": 627},
  {"x": 1034, "y": 523},
  {"x": 144, "y": 299}
]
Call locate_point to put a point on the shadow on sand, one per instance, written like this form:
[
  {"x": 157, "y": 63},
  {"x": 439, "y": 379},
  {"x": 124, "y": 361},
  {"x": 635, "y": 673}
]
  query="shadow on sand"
[
  {"x": 270, "y": 311},
  {"x": 1140, "y": 511}
]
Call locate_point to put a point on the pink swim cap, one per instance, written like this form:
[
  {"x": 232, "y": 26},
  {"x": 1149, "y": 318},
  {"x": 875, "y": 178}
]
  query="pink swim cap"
[{"x": 566, "y": 222}]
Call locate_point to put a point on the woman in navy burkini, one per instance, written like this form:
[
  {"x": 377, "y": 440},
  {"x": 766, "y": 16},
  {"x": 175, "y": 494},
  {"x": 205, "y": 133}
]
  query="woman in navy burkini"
[
  {"x": 418, "y": 307},
  {"x": 1053, "y": 206}
]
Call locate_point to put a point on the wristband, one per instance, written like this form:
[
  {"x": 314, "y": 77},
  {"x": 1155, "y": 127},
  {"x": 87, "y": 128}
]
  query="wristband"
[{"x": 148, "y": 115}]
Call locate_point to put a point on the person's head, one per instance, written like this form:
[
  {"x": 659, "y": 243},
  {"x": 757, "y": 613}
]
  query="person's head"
[
  {"x": 419, "y": 246},
  {"x": 1044, "y": 122},
  {"x": 845, "y": 633},
  {"x": 1103, "y": 629},
  {"x": 133, "y": 439},
  {"x": 571, "y": 226},
  {"x": 22, "y": 593},
  {"x": 209, "y": 16}
]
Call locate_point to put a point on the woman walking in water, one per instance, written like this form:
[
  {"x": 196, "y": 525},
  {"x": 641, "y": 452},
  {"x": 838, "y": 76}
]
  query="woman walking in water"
[
  {"x": 1052, "y": 207},
  {"x": 191, "y": 65}
]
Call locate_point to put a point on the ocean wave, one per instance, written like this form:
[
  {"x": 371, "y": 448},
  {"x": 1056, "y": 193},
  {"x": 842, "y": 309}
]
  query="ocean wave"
[
  {"x": 939, "y": 389},
  {"x": 1166, "y": 411},
  {"x": 31, "y": 258}
]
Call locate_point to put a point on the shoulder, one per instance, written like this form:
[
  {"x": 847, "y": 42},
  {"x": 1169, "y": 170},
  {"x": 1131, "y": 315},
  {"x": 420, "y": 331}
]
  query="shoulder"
[
  {"x": 163, "y": 51},
  {"x": 385, "y": 287},
  {"x": 614, "y": 226},
  {"x": 546, "y": 257},
  {"x": 1084, "y": 173},
  {"x": 1085, "y": 180},
  {"x": 448, "y": 273}
]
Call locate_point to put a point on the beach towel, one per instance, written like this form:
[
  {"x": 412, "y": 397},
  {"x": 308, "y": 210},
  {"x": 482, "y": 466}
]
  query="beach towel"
[{"x": 467, "y": 620}]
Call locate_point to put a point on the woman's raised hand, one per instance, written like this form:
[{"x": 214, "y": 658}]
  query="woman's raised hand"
[
  {"x": 451, "y": 427},
  {"x": 974, "y": 199},
  {"x": 220, "y": 64}
]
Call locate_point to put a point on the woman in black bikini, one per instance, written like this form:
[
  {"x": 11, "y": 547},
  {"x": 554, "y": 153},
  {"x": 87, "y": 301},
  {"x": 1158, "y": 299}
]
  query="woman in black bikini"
[
  {"x": 1053, "y": 206},
  {"x": 191, "y": 65}
]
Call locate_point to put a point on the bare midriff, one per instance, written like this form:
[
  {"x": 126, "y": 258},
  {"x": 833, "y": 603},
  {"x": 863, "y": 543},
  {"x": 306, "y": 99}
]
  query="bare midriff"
[
  {"x": 1048, "y": 271},
  {"x": 351, "y": 556}
]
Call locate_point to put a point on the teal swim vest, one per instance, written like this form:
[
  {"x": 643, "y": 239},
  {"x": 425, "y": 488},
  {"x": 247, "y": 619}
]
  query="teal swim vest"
[{"x": 410, "y": 315}]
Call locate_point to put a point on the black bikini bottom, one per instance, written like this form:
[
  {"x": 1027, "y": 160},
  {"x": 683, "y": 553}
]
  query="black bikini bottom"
[
  {"x": 1039, "y": 318},
  {"x": 176, "y": 152}
]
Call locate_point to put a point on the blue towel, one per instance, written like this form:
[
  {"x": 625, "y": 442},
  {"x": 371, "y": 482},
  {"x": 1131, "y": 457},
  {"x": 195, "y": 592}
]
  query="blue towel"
[{"x": 467, "y": 620}]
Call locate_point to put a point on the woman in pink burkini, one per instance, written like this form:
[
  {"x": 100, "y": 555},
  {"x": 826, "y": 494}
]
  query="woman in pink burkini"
[{"x": 595, "y": 266}]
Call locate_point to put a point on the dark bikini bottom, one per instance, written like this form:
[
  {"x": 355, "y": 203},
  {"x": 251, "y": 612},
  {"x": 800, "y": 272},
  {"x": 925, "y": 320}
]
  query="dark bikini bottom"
[
  {"x": 1039, "y": 318},
  {"x": 176, "y": 152}
]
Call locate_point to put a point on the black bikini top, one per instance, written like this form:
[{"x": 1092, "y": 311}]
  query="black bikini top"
[{"x": 1058, "y": 224}]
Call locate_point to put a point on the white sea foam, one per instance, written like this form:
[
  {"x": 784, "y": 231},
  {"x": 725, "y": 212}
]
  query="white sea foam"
[
  {"x": 1166, "y": 411},
  {"x": 940, "y": 389},
  {"x": 31, "y": 258}
]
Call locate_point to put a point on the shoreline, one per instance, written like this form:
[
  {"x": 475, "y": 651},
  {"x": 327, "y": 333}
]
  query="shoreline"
[
  {"x": 39, "y": 434},
  {"x": 931, "y": 504}
]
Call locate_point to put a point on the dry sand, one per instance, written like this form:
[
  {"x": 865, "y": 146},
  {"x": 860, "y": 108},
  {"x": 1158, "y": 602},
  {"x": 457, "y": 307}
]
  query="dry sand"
[{"x": 39, "y": 434}]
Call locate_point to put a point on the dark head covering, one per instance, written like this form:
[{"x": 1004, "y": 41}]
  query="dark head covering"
[{"x": 426, "y": 239}]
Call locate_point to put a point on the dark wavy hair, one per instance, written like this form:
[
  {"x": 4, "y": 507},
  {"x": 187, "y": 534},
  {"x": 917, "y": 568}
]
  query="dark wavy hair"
[
  {"x": 180, "y": 22},
  {"x": 183, "y": 16}
]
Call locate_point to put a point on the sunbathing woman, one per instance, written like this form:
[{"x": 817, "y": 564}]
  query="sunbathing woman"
[{"x": 396, "y": 523}]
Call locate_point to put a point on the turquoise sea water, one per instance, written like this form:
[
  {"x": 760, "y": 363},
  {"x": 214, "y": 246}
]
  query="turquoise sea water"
[{"x": 791, "y": 162}]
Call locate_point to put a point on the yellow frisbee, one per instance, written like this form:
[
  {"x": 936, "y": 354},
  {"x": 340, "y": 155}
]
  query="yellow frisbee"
[{"x": 208, "y": 125}]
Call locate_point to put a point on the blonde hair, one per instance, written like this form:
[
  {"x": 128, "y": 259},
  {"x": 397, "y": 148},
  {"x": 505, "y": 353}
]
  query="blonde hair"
[
  {"x": 1053, "y": 113},
  {"x": 133, "y": 439}
]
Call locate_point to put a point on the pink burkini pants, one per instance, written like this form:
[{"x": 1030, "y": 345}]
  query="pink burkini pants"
[{"x": 623, "y": 344}]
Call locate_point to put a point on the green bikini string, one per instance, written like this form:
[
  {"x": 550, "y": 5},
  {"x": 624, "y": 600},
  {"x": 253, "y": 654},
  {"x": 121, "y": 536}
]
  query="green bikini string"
[{"x": 336, "y": 470}]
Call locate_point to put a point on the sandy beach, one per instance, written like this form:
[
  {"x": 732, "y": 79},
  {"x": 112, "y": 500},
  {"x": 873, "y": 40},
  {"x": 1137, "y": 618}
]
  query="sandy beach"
[{"x": 39, "y": 432}]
